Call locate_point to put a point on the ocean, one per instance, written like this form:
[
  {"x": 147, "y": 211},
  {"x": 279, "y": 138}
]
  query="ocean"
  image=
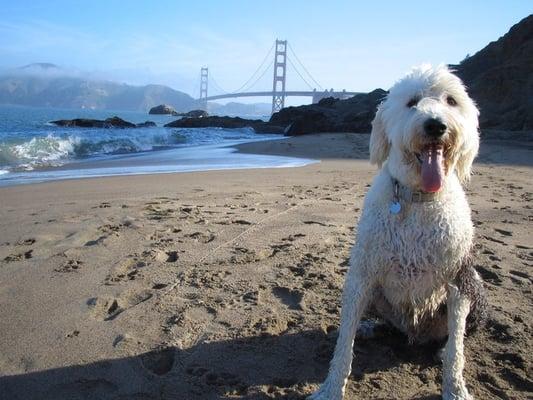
[{"x": 34, "y": 150}]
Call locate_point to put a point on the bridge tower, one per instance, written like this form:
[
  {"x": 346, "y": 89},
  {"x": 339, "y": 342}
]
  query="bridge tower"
[
  {"x": 204, "y": 78},
  {"x": 280, "y": 69}
]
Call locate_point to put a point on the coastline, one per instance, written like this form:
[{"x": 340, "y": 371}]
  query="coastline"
[
  {"x": 220, "y": 155},
  {"x": 175, "y": 285}
]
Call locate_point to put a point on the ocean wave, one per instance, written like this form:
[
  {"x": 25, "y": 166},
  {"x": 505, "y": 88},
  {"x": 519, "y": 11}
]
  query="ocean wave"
[{"x": 55, "y": 149}]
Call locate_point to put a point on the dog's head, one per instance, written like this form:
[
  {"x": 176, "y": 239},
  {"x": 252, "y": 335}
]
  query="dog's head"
[{"x": 426, "y": 129}]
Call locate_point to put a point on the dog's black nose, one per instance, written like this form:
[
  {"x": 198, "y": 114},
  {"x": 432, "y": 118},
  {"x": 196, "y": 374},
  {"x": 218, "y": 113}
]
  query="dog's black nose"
[{"x": 434, "y": 127}]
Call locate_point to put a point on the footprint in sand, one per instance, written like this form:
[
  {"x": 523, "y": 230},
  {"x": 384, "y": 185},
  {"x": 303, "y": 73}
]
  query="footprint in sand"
[
  {"x": 167, "y": 256},
  {"x": 69, "y": 266},
  {"x": 107, "y": 308},
  {"x": 291, "y": 298},
  {"x": 159, "y": 286},
  {"x": 292, "y": 238},
  {"x": 155, "y": 213},
  {"x": 95, "y": 242},
  {"x": 127, "y": 270},
  {"x": 109, "y": 228},
  {"x": 503, "y": 232},
  {"x": 19, "y": 257},
  {"x": 251, "y": 297},
  {"x": 488, "y": 275},
  {"x": 316, "y": 223},
  {"x": 271, "y": 324},
  {"x": 72, "y": 334},
  {"x": 241, "y": 222},
  {"x": 126, "y": 342},
  {"x": 26, "y": 242},
  {"x": 159, "y": 361},
  {"x": 525, "y": 257},
  {"x": 523, "y": 275},
  {"x": 490, "y": 238},
  {"x": 243, "y": 255},
  {"x": 279, "y": 248},
  {"x": 201, "y": 237},
  {"x": 498, "y": 331}
]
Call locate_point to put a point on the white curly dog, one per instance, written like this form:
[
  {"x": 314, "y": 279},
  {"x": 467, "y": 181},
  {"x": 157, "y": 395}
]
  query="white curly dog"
[{"x": 410, "y": 264}]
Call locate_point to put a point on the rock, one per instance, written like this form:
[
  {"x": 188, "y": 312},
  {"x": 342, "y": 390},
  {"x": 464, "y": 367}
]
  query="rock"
[
  {"x": 331, "y": 115},
  {"x": 213, "y": 121},
  {"x": 309, "y": 121},
  {"x": 146, "y": 124},
  {"x": 162, "y": 109},
  {"x": 500, "y": 79},
  {"x": 227, "y": 122},
  {"x": 116, "y": 122},
  {"x": 267, "y": 127},
  {"x": 113, "y": 122},
  {"x": 194, "y": 114}
]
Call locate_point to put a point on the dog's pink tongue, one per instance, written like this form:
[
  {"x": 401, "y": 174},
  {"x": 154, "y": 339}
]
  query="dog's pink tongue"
[{"x": 432, "y": 171}]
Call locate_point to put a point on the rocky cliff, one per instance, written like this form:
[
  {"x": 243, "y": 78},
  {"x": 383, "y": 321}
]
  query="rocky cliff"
[{"x": 500, "y": 79}]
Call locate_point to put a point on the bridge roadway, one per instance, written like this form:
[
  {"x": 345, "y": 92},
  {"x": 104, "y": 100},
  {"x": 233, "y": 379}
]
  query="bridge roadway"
[{"x": 315, "y": 94}]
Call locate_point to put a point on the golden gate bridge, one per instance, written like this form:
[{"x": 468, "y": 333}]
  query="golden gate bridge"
[{"x": 283, "y": 54}]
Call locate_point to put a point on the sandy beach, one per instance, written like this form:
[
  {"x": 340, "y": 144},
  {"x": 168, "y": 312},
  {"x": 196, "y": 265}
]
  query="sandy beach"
[{"x": 226, "y": 284}]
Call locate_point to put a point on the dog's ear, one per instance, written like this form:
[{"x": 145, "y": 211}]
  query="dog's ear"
[
  {"x": 466, "y": 158},
  {"x": 379, "y": 143}
]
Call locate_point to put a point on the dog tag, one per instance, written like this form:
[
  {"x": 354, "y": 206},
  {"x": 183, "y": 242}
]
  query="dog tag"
[{"x": 395, "y": 207}]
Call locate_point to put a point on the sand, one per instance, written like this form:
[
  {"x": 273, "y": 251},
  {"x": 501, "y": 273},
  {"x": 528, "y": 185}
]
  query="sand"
[{"x": 226, "y": 284}]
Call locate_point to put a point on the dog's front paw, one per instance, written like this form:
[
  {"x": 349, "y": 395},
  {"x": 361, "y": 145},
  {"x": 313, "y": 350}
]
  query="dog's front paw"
[
  {"x": 460, "y": 393},
  {"x": 327, "y": 391}
]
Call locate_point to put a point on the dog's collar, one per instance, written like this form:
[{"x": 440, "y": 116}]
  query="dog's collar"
[{"x": 401, "y": 192}]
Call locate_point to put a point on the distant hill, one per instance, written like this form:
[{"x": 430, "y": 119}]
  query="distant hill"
[
  {"x": 47, "y": 85},
  {"x": 500, "y": 79},
  {"x": 233, "y": 108}
]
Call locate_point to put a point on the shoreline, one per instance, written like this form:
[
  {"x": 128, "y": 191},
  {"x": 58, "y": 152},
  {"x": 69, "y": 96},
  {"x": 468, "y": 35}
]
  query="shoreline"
[
  {"x": 194, "y": 158},
  {"x": 286, "y": 152}
]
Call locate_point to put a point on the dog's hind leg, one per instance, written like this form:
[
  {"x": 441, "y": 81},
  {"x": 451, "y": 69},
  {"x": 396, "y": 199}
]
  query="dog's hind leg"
[
  {"x": 354, "y": 301},
  {"x": 453, "y": 384}
]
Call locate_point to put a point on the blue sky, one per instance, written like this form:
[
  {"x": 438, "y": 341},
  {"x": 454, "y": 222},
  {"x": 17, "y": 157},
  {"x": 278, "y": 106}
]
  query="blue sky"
[{"x": 343, "y": 44}]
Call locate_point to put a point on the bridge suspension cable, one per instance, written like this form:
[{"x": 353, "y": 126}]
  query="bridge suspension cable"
[
  {"x": 215, "y": 83},
  {"x": 259, "y": 77},
  {"x": 256, "y": 71},
  {"x": 305, "y": 69},
  {"x": 298, "y": 72}
]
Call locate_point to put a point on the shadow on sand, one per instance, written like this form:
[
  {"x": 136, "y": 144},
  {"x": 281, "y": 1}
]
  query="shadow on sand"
[{"x": 261, "y": 367}]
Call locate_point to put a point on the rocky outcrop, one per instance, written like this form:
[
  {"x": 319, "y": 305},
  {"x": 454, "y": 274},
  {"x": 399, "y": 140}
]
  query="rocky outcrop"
[
  {"x": 331, "y": 115},
  {"x": 194, "y": 114},
  {"x": 500, "y": 79},
  {"x": 162, "y": 109},
  {"x": 227, "y": 122},
  {"x": 113, "y": 122},
  {"x": 146, "y": 124}
]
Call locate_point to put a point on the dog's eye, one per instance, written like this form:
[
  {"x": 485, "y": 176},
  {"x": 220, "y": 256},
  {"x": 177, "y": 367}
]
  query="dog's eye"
[
  {"x": 413, "y": 102},
  {"x": 451, "y": 101}
]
